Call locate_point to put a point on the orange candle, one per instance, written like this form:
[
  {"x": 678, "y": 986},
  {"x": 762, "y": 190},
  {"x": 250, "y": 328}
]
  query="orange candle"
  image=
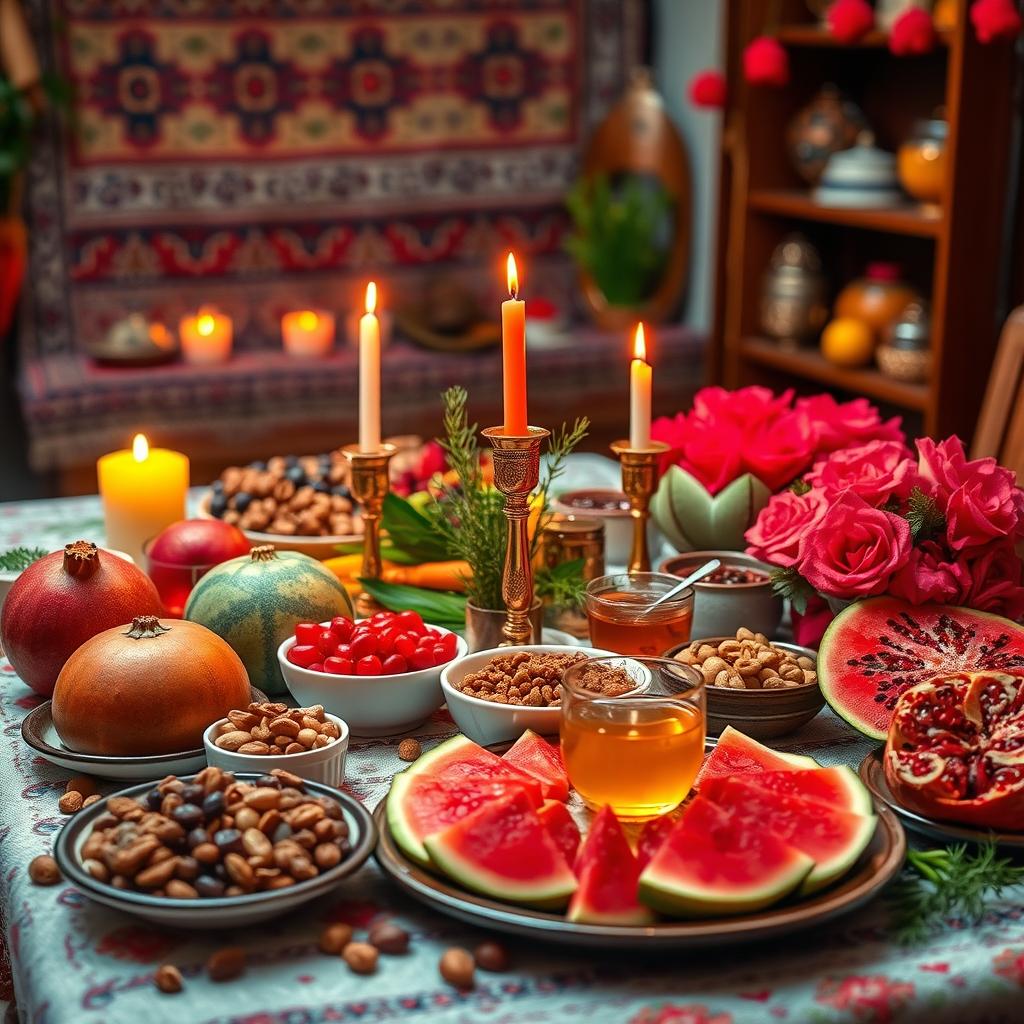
[
  {"x": 639, "y": 393},
  {"x": 513, "y": 351},
  {"x": 307, "y": 332},
  {"x": 205, "y": 337}
]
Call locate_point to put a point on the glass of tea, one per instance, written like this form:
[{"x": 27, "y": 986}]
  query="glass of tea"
[
  {"x": 637, "y": 749},
  {"x": 617, "y": 612}
]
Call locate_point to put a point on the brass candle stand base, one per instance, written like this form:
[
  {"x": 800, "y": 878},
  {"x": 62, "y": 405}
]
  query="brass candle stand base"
[
  {"x": 369, "y": 485},
  {"x": 516, "y": 473},
  {"x": 639, "y": 481}
]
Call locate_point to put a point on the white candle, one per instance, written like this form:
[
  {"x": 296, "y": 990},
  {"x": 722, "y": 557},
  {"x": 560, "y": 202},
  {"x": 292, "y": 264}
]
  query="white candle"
[
  {"x": 206, "y": 337},
  {"x": 307, "y": 333},
  {"x": 639, "y": 393},
  {"x": 369, "y": 374}
]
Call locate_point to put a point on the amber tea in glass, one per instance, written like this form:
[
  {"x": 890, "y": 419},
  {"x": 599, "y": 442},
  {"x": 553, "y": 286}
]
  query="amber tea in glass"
[{"x": 617, "y": 612}]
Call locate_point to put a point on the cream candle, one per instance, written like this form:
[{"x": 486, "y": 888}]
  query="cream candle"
[
  {"x": 206, "y": 337},
  {"x": 369, "y": 374},
  {"x": 639, "y": 393},
  {"x": 143, "y": 490},
  {"x": 513, "y": 354},
  {"x": 307, "y": 333}
]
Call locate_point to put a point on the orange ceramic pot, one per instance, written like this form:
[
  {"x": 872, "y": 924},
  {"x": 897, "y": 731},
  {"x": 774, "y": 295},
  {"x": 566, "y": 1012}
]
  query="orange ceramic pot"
[
  {"x": 921, "y": 161},
  {"x": 876, "y": 299}
]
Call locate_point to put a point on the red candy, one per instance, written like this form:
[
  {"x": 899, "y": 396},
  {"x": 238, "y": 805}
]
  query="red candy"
[
  {"x": 307, "y": 632},
  {"x": 369, "y": 666},
  {"x": 304, "y": 655}
]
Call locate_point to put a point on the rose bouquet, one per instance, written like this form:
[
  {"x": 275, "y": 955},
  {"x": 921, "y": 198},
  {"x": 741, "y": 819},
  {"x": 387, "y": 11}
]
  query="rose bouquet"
[
  {"x": 875, "y": 518},
  {"x": 734, "y": 449}
]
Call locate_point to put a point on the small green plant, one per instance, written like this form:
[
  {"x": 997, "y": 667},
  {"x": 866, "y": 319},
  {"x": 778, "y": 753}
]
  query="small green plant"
[
  {"x": 622, "y": 234},
  {"x": 19, "y": 559}
]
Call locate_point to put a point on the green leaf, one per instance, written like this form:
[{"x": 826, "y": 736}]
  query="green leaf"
[
  {"x": 788, "y": 583},
  {"x": 926, "y": 519},
  {"x": 436, "y": 606},
  {"x": 800, "y": 487},
  {"x": 412, "y": 531},
  {"x": 18, "y": 559}
]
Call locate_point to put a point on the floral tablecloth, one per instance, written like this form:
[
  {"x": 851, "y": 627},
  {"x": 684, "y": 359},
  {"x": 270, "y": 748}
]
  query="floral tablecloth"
[{"x": 74, "y": 962}]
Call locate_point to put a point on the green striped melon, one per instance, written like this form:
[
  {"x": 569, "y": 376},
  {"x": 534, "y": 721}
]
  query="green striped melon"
[{"x": 255, "y": 601}]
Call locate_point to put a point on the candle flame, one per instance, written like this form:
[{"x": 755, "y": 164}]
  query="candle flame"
[
  {"x": 140, "y": 448},
  {"x": 308, "y": 320},
  {"x": 639, "y": 344},
  {"x": 205, "y": 325},
  {"x": 371, "y": 297},
  {"x": 513, "y": 276}
]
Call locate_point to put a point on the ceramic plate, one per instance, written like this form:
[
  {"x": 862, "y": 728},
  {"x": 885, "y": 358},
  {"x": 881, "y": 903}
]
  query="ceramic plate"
[
  {"x": 876, "y": 867},
  {"x": 872, "y": 774},
  {"x": 38, "y": 731},
  {"x": 223, "y": 911}
]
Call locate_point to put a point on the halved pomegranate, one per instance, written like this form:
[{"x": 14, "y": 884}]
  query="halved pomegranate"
[{"x": 955, "y": 749}]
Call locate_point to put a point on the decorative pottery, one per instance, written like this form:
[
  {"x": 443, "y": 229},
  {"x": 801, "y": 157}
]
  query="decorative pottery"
[
  {"x": 878, "y": 298},
  {"x": 863, "y": 176},
  {"x": 905, "y": 353},
  {"x": 921, "y": 160},
  {"x": 484, "y": 625},
  {"x": 695, "y": 520},
  {"x": 793, "y": 306},
  {"x": 134, "y": 341},
  {"x": 829, "y": 123}
]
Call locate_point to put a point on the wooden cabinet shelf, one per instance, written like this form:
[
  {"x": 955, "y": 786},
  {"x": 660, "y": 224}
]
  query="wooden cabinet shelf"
[
  {"x": 912, "y": 219},
  {"x": 814, "y": 35},
  {"x": 809, "y": 364}
]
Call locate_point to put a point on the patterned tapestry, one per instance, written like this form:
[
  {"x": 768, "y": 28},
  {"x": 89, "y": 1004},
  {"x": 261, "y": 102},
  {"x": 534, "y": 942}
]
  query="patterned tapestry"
[{"x": 266, "y": 154}]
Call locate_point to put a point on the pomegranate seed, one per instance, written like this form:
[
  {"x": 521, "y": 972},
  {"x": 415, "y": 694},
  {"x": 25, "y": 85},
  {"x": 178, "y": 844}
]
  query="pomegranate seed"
[
  {"x": 326, "y": 641},
  {"x": 338, "y": 666},
  {"x": 368, "y": 666},
  {"x": 307, "y": 632},
  {"x": 410, "y": 622},
  {"x": 342, "y": 627},
  {"x": 317, "y": 666},
  {"x": 395, "y": 665},
  {"x": 304, "y": 655},
  {"x": 343, "y": 651},
  {"x": 405, "y": 644},
  {"x": 363, "y": 645},
  {"x": 450, "y": 643},
  {"x": 440, "y": 654},
  {"x": 421, "y": 658}
]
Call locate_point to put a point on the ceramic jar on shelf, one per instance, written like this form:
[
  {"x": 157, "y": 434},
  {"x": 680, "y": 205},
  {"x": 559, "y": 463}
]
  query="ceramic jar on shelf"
[
  {"x": 921, "y": 160},
  {"x": 905, "y": 353},
  {"x": 830, "y": 122},
  {"x": 793, "y": 306},
  {"x": 863, "y": 177},
  {"x": 876, "y": 299}
]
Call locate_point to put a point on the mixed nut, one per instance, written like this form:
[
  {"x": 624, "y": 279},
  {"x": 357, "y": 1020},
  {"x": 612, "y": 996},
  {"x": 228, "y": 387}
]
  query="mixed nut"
[
  {"x": 270, "y": 729},
  {"x": 748, "y": 662}
]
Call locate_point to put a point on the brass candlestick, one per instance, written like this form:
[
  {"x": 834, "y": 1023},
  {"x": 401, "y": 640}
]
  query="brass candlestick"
[
  {"x": 639, "y": 481},
  {"x": 516, "y": 473},
  {"x": 369, "y": 485}
]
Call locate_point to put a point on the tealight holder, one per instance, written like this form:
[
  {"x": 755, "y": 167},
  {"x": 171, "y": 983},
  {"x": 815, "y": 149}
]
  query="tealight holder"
[
  {"x": 516, "y": 474},
  {"x": 639, "y": 481},
  {"x": 369, "y": 485}
]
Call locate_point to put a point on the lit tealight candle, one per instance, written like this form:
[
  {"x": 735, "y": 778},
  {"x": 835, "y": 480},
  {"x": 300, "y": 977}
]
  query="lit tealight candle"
[
  {"x": 639, "y": 393},
  {"x": 513, "y": 354},
  {"x": 307, "y": 332},
  {"x": 143, "y": 490},
  {"x": 206, "y": 337},
  {"x": 369, "y": 374}
]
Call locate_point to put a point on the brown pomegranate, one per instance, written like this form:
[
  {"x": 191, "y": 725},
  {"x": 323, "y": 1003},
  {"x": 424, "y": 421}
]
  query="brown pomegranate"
[
  {"x": 62, "y": 600},
  {"x": 955, "y": 749},
  {"x": 149, "y": 688}
]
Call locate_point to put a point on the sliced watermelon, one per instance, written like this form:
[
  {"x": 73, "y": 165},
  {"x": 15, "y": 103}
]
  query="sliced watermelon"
[
  {"x": 833, "y": 839},
  {"x": 837, "y": 788},
  {"x": 714, "y": 864},
  {"x": 737, "y": 754},
  {"x": 446, "y": 784},
  {"x": 562, "y": 827},
  {"x": 652, "y": 835},
  {"x": 503, "y": 850},
  {"x": 608, "y": 874},
  {"x": 543, "y": 760}
]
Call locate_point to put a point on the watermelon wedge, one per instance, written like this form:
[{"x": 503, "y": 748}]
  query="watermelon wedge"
[
  {"x": 714, "y": 863},
  {"x": 652, "y": 835},
  {"x": 446, "y": 784},
  {"x": 542, "y": 760},
  {"x": 737, "y": 754},
  {"x": 837, "y": 788},
  {"x": 555, "y": 817},
  {"x": 608, "y": 874},
  {"x": 833, "y": 839},
  {"x": 503, "y": 850}
]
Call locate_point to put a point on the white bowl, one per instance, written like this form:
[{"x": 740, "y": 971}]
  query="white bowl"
[
  {"x": 371, "y": 705},
  {"x": 321, "y": 764},
  {"x": 485, "y": 721}
]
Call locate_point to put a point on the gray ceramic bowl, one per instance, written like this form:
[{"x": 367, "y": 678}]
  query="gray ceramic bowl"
[{"x": 719, "y": 609}]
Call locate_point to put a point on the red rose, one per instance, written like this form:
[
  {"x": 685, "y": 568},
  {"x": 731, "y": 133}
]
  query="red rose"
[
  {"x": 929, "y": 576},
  {"x": 854, "y": 550},
  {"x": 912, "y": 33},
  {"x": 993, "y": 581},
  {"x": 848, "y": 20},
  {"x": 843, "y": 425},
  {"x": 875, "y": 471},
  {"x": 781, "y": 525},
  {"x": 713, "y": 454},
  {"x": 780, "y": 450},
  {"x": 707, "y": 90},
  {"x": 765, "y": 62},
  {"x": 941, "y": 466},
  {"x": 746, "y": 408},
  {"x": 995, "y": 19}
]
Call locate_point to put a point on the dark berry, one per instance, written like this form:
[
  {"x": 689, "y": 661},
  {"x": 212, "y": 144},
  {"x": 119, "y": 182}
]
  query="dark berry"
[
  {"x": 218, "y": 505},
  {"x": 207, "y": 886},
  {"x": 213, "y": 804},
  {"x": 228, "y": 840},
  {"x": 242, "y": 500},
  {"x": 322, "y": 486},
  {"x": 193, "y": 793},
  {"x": 296, "y": 474},
  {"x": 341, "y": 491},
  {"x": 217, "y": 487},
  {"x": 189, "y": 816},
  {"x": 197, "y": 837},
  {"x": 154, "y": 798}
]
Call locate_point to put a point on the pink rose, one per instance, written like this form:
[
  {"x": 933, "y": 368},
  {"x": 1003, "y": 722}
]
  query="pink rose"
[
  {"x": 854, "y": 550},
  {"x": 928, "y": 576},
  {"x": 712, "y": 455},
  {"x": 843, "y": 425},
  {"x": 942, "y": 466},
  {"x": 875, "y": 471},
  {"x": 780, "y": 450},
  {"x": 776, "y": 534},
  {"x": 747, "y": 408},
  {"x": 993, "y": 581}
]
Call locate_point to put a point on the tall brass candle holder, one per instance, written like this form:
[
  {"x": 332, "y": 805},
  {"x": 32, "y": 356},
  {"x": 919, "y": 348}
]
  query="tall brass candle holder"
[
  {"x": 369, "y": 485},
  {"x": 516, "y": 473},
  {"x": 639, "y": 481}
]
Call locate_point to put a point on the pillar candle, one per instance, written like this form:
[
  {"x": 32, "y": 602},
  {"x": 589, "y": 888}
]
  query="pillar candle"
[
  {"x": 513, "y": 352},
  {"x": 307, "y": 332},
  {"x": 639, "y": 393},
  {"x": 143, "y": 490},
  {"x": 369, "y": 374},
  {"x": 206, "y": 337}
]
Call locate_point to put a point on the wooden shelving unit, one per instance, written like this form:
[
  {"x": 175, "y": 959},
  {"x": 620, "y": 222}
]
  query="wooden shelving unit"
[{"x": 949, "y": 251}]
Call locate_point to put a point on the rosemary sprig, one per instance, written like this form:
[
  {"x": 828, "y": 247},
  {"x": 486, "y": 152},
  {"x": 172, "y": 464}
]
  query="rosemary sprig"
[
  {"x": 951, "y": 882},
  {"x": 18, "y": 559},
  {"x": 561, "y": 585}
]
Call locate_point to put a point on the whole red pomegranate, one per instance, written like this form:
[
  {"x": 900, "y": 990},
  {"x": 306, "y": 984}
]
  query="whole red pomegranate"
[
  {"x": 64, "y": 599},
  {"x": 198, "y": 542},
  {"x": 955, "y": 749}
]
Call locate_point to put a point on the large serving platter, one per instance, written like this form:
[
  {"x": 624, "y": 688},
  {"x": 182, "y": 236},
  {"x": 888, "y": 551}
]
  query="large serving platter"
[
  {"x": 875, "y": 868},
  {"x": 872, "y": 774}
]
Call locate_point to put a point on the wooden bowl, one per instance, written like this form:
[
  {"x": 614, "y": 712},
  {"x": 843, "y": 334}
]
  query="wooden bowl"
[{"x": 762, "y": 714}]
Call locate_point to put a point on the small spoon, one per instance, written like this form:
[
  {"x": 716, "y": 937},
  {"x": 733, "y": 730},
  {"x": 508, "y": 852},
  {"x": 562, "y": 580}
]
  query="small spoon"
[{"x": 706, "y": 569}]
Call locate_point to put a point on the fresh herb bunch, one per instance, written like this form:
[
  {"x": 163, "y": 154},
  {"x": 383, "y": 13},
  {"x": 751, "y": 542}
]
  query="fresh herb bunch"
[
  {"x": 952, "y": 882},
  {"x": 19, "y": 559},
  {"x": 563, "y": 586},
  {"x": 470, "y": 514}
]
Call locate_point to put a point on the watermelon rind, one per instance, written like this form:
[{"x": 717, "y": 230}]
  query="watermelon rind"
[
  {"x": 837, "y": 787},
  {"x": 735, "y": 753}
]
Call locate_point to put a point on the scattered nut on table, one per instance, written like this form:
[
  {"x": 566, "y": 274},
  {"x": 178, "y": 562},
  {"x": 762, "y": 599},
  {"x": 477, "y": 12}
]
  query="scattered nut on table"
[
  {"x": 70, "y": 802},
  {"x": 226, "y": 963},
  {"x": 361, "y": 957},
  {"x": 389, "y": 938},
  {"x": 409, "y": 749},
  {"x": 43, "y": 870},
  {"x": 334, "y": 938},
  {"x": 167, "y": 978},
  {"x": 458, "y": 968},
  {"x": 748, "y": 662},
  {"x": 491, "y": 956}
]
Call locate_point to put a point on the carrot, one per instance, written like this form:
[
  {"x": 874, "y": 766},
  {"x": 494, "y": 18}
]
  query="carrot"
[
  {"x": 345, "y": 567},
  {"x": 429, "y": 575}
]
